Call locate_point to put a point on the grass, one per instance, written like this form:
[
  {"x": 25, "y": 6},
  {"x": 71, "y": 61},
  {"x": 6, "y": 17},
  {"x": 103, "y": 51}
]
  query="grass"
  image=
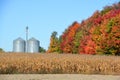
[{"x": 26, "y": 63}]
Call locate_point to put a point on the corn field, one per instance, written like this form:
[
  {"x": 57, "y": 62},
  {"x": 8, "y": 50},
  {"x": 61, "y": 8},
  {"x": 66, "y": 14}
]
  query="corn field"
[{"x": 25, "y": 63}]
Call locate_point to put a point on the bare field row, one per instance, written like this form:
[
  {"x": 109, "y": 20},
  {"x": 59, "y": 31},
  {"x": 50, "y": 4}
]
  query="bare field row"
[
  {"x": 25, "y": 63},
  {"x": 58, "y": 77}
]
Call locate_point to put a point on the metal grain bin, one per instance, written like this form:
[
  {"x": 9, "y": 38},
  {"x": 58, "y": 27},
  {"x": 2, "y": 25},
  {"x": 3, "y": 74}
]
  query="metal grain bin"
[
  {"x": 19, "y": 45},
  {"x": 33, "y": 45}
]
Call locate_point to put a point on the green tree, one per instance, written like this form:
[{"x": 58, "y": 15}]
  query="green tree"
[
  {"x": 1, "y": 50},
  {"x": 42, "y": 50},
  {"x": 76, "y": 41}
]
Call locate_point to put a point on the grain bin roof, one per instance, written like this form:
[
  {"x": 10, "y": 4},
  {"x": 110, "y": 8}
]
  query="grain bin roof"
[
  {"x": 19, "y": 39},
  {"x": 33, "y": 39}
]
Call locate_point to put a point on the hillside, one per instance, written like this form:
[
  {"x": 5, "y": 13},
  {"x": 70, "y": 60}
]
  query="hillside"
[{"x": 99, "y": 34}]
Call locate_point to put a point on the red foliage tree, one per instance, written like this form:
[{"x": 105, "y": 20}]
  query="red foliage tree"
[{"x": 67, "y": 38}]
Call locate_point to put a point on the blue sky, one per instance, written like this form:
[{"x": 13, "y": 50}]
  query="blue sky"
[{"x": 42, "y": 17}]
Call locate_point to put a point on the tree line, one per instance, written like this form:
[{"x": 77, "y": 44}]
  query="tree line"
[{"x": 99, "y": 34}]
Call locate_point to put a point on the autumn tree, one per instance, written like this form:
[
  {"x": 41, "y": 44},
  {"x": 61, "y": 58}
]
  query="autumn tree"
[
  {"x": 108, "y": 40},
  {"x": 68, "y": 37},
  {"x": 54, "y": 43}
]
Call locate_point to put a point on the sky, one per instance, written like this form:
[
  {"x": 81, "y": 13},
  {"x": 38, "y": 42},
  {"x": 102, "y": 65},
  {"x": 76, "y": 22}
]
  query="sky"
[{"x": 42, "y": 17}]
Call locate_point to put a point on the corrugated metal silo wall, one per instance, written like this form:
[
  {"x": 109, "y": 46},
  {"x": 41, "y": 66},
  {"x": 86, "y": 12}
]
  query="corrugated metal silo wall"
[
  {"x": 19, "y": 45},
  {"x": 33, "y": 45}
]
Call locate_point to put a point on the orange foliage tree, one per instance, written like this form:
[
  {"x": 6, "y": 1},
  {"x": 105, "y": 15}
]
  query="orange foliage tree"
[{"x": 67, "y": 38}]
